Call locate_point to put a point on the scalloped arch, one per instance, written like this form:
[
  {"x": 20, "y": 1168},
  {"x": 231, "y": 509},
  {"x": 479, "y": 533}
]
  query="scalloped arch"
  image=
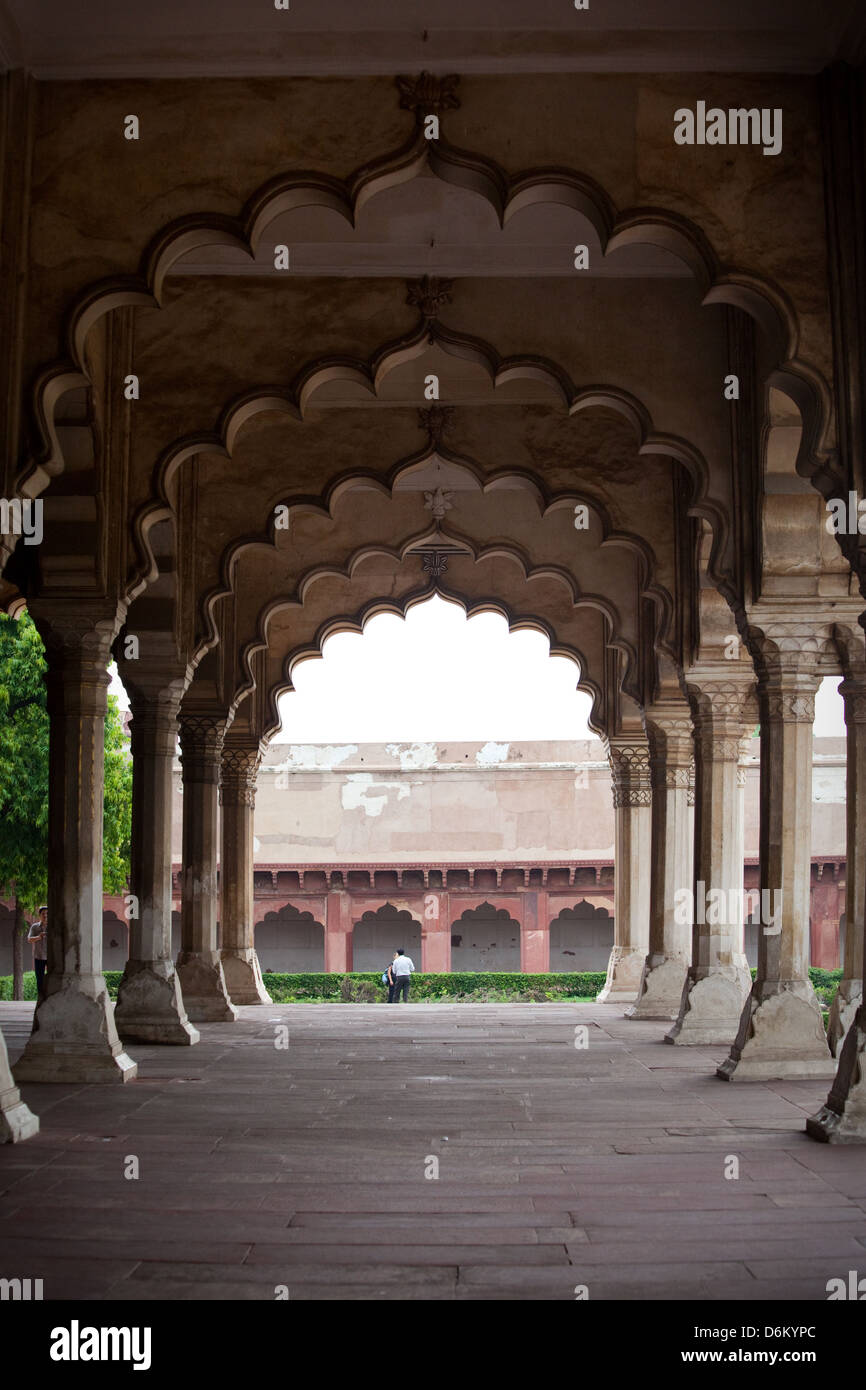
[
  {"x": 765, "y": 302},
  {"x": 325, "y": 504},
  {"x": 399, "y": 608}
]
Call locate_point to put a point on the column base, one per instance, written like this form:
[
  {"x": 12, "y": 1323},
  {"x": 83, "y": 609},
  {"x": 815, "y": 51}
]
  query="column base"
[
  {"x": 150, "y": 1005},
  {"x": 661, "y": 989},
  {"x": 711, "y": 1007},
  {"x": 74, "y": 1037},
  {"x": 202, "y": 981},
  {"x": 17, "y": 1121},
  {"x": 843, "y": 1119},
  {"x": 624, "y": 971},
  {"x": 781, "y": 1036},
  {"x": 243, "y": 976},
  {"x": 849, "y": 997}
]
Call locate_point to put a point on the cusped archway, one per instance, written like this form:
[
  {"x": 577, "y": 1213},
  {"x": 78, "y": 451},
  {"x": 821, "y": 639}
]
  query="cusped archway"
[
  {"x": 290, "y": 940},
  {"x": 380, "y": 931},
  {"x": 581, "y": 937}
]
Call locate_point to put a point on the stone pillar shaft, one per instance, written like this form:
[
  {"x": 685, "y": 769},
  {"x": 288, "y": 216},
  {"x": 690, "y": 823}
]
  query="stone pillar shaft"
[
  {"x": 74, "y": 1037},
  {"x": 632, "y": 801},
  {"x": 718, "y": 979},
  {"x": 850, "y": 992},
  {"x": 150, "y": 1006},
  {"x": 199, "y": 964},
  {"x": 243, "y": 976},
  {"x": 781, "y": 1032},
  {"x": 671, "y": 861}
]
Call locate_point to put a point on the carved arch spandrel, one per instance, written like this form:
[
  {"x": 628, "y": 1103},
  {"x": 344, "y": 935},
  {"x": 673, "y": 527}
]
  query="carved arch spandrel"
[
  {"x": 242, "y": 412},
  {"x": 578, "y": 590},
  {"x": 507, "y": 195},
  {"x": 533, "y": 583}
]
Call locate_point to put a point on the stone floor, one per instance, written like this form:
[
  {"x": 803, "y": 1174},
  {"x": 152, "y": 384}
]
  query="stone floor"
[{"x": 306, "y": 1167}]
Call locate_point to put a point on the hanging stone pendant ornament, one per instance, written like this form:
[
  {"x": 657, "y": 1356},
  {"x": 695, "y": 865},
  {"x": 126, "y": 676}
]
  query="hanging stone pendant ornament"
[{"x": 438, "y": 502}]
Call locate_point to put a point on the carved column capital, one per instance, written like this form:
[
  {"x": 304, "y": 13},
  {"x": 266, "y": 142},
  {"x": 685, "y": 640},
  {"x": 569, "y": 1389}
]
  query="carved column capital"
[
  {"x": 77, "y": 643},
  {"x": 720, "y": 707},
  {"x": 238, "y": 771},
  {"x": 793, "y": 703},
  {"x": 720, "y": 700},
  {"x": 671, "y": 746},
  {"x": 153, "y": 728},
  {"x": 853, "y": 692},
  {"x": 630, "y": 771},
  {"x": 201, "y": 746}
]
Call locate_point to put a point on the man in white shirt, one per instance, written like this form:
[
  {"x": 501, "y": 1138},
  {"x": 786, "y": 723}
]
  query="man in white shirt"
[{"x": 402, "y": 971}]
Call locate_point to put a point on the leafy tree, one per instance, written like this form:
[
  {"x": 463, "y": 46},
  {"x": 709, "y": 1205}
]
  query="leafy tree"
[
  {"x": 117, "y": 803},
  {"x": 24, "y": 780}
]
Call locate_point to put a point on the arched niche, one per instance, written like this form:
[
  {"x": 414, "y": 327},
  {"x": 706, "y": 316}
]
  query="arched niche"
[
  {"x": 485, "y": 938},
  {"x": 290, "y": 940},
  {"x": 581, "y": 937},
  {"x": 379, "y": 932}
]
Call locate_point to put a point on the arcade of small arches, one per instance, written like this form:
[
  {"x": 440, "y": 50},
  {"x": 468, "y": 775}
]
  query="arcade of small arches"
[
  {"x": 286, "y": 471},
  {"x": 560, "y": 917}
]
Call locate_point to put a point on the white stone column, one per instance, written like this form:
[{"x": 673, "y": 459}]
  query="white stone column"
[
  {"x": 666, "y": 965},
  {"x": 751, "y": 717},
  {"x": 850, "y": 993},
  {"x": 781, "y": 1032},
  {"x": 243, "y": 975},
  {"x": 632, "y": 801},
  {"x": 74, "y": 1037},
  {"x": 718, "y": 980},
  {"x": 17, "y": 1121},
  {"x": 150, "y": 1006},
  {"x": 199, "y": 964}
]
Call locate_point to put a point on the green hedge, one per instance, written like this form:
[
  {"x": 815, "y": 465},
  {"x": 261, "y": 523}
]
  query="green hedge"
[{"x": 285, "y": 988}]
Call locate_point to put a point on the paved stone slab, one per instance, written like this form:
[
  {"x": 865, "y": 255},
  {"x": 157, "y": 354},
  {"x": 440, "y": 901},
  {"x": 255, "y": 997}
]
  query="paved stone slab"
[{"x": 557, "y": 1166}]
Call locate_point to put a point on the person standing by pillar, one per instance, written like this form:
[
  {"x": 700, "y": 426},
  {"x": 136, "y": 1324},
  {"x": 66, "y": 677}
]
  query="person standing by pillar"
[
  {"x": 38, "y": 935},
  {"x": 402, "y": 970},
  {"x": 389, "y": 979}
]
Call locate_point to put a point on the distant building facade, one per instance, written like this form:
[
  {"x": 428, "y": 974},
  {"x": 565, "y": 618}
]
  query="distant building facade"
[{"x": 496, "y": 856}]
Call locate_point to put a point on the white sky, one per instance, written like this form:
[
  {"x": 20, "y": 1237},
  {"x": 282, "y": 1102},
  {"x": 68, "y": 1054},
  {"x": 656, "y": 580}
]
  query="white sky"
[{"x": 437, "y": 676}]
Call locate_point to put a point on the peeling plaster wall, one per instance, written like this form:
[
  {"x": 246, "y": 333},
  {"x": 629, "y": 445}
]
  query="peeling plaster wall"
[
  {"x": 491, "y": 802},
  {"x": 395, "y": 802}
]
